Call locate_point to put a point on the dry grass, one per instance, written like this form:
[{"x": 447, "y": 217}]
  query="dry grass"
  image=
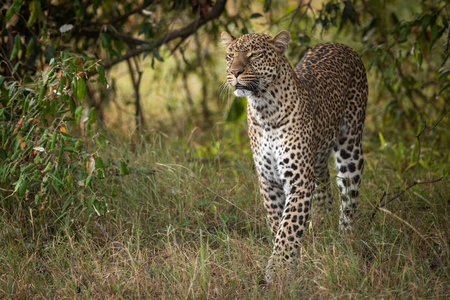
[{"x": 196, "y": 230}]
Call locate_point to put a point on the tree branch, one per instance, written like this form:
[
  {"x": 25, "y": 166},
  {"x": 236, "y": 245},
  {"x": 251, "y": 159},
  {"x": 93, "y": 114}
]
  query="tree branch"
[
  {"x": 182, "y": 33},
  {"x": 131, "y": 12},
  {"x": 95, "y": 33},
  {"x": 139, "y": 117}
]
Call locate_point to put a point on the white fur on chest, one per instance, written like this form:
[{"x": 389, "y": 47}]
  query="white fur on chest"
[{"x": 267, "y": 158}]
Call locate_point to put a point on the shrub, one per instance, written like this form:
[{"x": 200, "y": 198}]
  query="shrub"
[{"x": 45, "y": 132}]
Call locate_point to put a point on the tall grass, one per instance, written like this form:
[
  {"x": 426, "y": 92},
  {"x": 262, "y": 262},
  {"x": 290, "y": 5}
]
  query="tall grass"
[{"x": 195, "y": 229}]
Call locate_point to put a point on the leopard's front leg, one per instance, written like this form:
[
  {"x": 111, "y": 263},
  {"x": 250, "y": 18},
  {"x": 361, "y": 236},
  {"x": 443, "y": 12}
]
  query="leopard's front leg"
[
  {"x": 274, "y": 199},
  {"x": 298, "y": 184}
]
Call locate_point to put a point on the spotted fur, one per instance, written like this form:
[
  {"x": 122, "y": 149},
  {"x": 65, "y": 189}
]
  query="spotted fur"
[{"x": 296, "y": 118}]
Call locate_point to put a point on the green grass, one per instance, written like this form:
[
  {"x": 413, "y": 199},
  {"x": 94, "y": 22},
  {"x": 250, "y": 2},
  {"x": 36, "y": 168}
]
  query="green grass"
[{"x": 196, "y": 230}]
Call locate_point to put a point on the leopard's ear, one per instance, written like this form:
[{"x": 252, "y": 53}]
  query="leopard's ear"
[
  {"x": 227, "y": 38},
  {"x": 281, "y": 40}
]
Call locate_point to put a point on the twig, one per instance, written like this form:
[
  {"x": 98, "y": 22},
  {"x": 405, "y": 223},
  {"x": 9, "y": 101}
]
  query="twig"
[
  {"x": 415, "y": 182},
  {"x": 381, "y": 203},
  {"x": 297, "y": 11},
  {"x": 418, "y": 141},
  {"x": 447, "y": 40},
  {"x": 420, "y": 235},
  {"x": 121, "y": 249}
]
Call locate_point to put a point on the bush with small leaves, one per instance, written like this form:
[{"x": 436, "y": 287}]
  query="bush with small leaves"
[{"x": 45, "y": 131}]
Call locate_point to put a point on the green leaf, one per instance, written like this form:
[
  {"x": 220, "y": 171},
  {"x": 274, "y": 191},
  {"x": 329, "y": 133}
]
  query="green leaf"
[
  {"x": 434, "y": 33},
  {"x": 17, "y": 45},
  {"x": 156, "y": 55},
  {"x": 426, "y": 20},
  {"x": 123, "y": 168},
  {"x": 13, "y": 9},
  {"x": 446, "y": 86},
  {"x": 349, "y": 11},
  {"x": 64, "y": 208},
  {"x": 35, "y": 9},
  {"x": 78, "y": 113},
  {"x": 56, "y": 186},
  {"x": 30, "y": 46},
  {"x": 98, "y": 206},
  {"x": 256, "y": 15},
  {"x": 419, "y": 58},
  {"x": 101, "y": 140},
  {"x": 106, "y": 43},
  {"x": 444, "y": 74},
  {"x": 81, "y": 89},
  {"x": 23, "y": 188},
  {"x": 99, "y": 165},
  {"x": 382, "y": 140},
  {"x": 16, "y": 66},
  {"x": 3, "y": 154},
  {"x": 101, "y": 74},
  {"x": 72, "y": 105},
  {"x": 41, "y": 94}
]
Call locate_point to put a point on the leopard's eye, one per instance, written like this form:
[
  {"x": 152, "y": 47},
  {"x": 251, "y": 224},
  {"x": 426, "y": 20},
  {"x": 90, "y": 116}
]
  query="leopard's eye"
[
  {"x": 254, "y": 55},
  {"x": 230, "y": 55}
]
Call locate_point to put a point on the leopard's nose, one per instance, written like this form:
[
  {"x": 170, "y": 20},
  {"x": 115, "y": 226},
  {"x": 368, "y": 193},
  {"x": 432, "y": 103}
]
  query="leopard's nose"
[{"x": 237, "y": 72}]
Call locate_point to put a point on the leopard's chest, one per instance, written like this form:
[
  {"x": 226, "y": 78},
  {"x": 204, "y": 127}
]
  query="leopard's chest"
[{"x": 268, "y": 155}]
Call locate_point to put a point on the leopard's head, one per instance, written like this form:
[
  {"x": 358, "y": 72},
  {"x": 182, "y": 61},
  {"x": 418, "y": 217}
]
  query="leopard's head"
[{"x": 253, "y": 60}]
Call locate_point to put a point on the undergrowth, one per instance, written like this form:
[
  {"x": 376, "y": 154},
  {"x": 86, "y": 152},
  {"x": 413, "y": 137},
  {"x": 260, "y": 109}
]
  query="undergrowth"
[{"x": 189, "y": 225}]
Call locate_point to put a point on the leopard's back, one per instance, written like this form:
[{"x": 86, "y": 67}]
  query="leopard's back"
[{"x": 334, "y": 78}]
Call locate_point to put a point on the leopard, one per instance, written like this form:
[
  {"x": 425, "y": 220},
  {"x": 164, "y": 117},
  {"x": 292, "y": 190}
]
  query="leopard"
[{"x": 296, "y": 118}]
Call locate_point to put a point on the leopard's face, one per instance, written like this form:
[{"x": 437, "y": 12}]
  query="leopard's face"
[{"x": 253, "y": 61}]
